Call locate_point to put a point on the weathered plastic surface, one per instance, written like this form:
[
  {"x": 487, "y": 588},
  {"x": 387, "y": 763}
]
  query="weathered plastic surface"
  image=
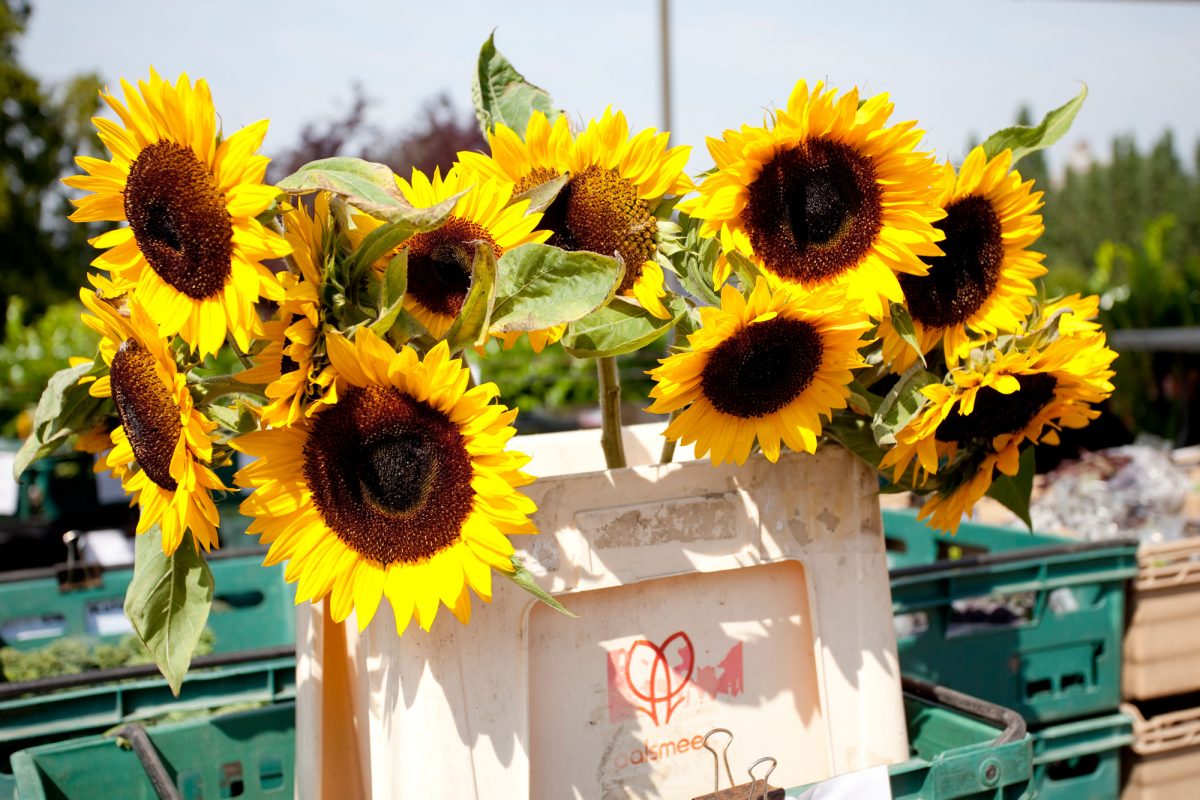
[
  {"x": 1081, "y": 759},
  {"x": 753, "y": 598},
  {"x": 247, "y": 755},
  {"x": 1060, "y": 660},
  {"x": 1162, "y": 640},
  {"x": 1163, "y": 763}
]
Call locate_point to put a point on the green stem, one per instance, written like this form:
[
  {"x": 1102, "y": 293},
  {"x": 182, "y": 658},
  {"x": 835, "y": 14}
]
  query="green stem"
[
  {"x": 668, "y": 448},
  {"x": 610, "y": 412}
]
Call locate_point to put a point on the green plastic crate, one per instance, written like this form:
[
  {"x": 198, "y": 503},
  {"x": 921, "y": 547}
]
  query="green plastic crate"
[
  {"x": 248, "y": 755},
  {"x": 253, "y": 607},
  {"x": 51, "y": 710},
  {"x": 1081, "y": 760},
  {"x": 962, "y": 749},
  {"x": 1060, "y": 660}
]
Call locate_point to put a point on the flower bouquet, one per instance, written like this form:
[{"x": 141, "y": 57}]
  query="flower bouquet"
[{"x": 825, "y": 282}]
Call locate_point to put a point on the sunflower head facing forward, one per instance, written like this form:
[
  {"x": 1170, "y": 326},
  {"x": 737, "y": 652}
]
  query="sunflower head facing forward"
[
  {"x": 614, "y": 185},
  {"x": 827, "y": 193},
  {"x": 161, "y": 432},
  {"x": 401, "y": 489},
  {"x": 193, "y": 246},
  {"x": 764, "y": 368},
  {"x": 983, "y": 283}
]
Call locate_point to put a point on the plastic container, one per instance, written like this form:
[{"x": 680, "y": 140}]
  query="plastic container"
[
  {"x": 36, "y": 712},
  {"x": 1162, "y": 640},
  {"x": 962, "y": 748},
  {"x": 1081, "y": 760},
  {"x": 1163, "y": 763},
  {"x": 757, "y": 595},
  {"x": 253, "y": 607},
  {"x": 247, "y": 755},
  {"x": 1029, "y": 622}
]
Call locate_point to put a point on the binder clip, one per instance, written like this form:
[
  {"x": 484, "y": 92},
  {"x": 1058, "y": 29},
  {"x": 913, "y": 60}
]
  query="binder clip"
[{"x": 757, "y": 789}]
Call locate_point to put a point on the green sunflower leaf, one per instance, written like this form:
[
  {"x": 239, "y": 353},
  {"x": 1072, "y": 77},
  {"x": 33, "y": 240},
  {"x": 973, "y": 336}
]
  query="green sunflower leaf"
[
  {"x": 619, "y": 327},
  {"x": 1023, "y": 140},
  {"x": 539, "y": 286},
  {"x": 541, "y": 196},
  {"x": 694, "y": 261},
  {"x": 854, "y": 433},
  {"x": 1013, "y": 492},
  {"x": 64, "y": 408},
  {"x": 524, "y": 579},
  {"x": 391, "y": 293},
  {"x": 502, "y": 95},
  {"x": 903, "y": 325},
  {"x": 369, "y": 187},
  {"x": 168, "y": 602},
  {"x": 900, "y": 405},
  {"x": 746, "y": 270},
  {"x": 471, "y": 326}
]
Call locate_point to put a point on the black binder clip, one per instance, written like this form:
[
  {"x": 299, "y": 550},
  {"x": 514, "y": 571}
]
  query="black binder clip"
[{"x": 756, "y": 789}]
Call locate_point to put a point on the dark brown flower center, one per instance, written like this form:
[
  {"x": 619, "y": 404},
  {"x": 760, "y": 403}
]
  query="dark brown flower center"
[
  {"x": 814, "y": 211},
  {"x": 390, "y": 475},
  {"x": 535, "y": 178},
  {"x": 762, "y": 368},
  {"x": 600, "y": 211},
  {"x": 995, "y": 413},
  {"x": 960, "y": 282},
  {"x": 439, "y": 264},
  {"x": 179, "y": 219},
  {"x": 148, "y": 411}
]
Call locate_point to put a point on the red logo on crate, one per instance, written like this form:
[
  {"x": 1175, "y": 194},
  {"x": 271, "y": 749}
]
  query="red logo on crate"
[{"x": 658, "y": 679}]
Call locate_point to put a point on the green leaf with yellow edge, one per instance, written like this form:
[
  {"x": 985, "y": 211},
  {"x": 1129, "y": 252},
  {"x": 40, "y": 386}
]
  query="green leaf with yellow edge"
[
  {"x": 1013, "y": 492},
  {"x": 747, "y": 271},
  {"x": 502, "y": 95},
  {"x": 903, "y": 325},
  {"x": 900, "y": 405},
  {"x": 391, "y": 293},
  {"x": 470, "y": 328},
  {"x": 64, "y": 408},
  {"x": 539, "y": 286},
  {"x": 523, "y": 578},
  {"x": 168, "y": 602},
  {"x": 541, "y": 196},
  {"x": 1023, "y": 140},
  {"x": 369, "y": 187},
  {"x": 621, "y": 326}
]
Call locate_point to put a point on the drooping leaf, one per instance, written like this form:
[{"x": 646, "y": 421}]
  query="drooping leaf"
[
  {"x": 375, "y": 246},
  {"x": 863, "y": 400},
  {"x": 900, "y": 404},
  {"x": 367, "y": 186},
  {"x": 854, "y": 433},
  {"x": 64, "y": 408},
  {"x": 541, "y": 196},
  {"x": 524, "y": 579},
  {"x": 391, "y": 293},
  {"x": 1013, "y": 492},
  {"x": 471, "y": 326},
  {"x": 619, "y": 327},
  {"x": 903, "y": 325},
  {"x": 168, "y": 602},
  {"x": 539, "y": 286},
  {"x": 694, "y": 261},
  {"x": 1023, "y": 140},
  {"x": 502, "y": 95},
  {"x": 746, "y": 270}
]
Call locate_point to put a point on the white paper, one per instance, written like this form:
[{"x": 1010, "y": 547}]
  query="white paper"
[{"x": 866, "y": 784}]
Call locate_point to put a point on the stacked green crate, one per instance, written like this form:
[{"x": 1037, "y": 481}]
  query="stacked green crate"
[{"x": 1027, "y": 621}]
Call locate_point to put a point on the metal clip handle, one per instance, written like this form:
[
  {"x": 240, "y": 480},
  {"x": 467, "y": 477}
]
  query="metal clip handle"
[
  {"x": 766, "y": 780},
  {"x": 718, "y": 758}
]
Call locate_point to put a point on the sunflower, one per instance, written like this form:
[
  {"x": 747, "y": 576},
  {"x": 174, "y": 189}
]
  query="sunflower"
[
  {"x": 161, "y": 433},
  {"x": 990, "y": 408},
  {"x": 439, "y": 261},
  {"x": 608, "y": 204},
  {"x": 193, "y": 247},
  {"x": 766, "y": 367},
  {"x": 297, "y": 381},
  {"x": 402, "y": 488},
  {"x": 982, "y": 285},
  {"x": 826, "y": 194}
]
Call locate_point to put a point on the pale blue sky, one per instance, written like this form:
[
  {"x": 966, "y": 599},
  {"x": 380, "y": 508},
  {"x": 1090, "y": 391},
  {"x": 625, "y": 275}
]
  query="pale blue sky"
[{"x": 956, "y": 66}]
